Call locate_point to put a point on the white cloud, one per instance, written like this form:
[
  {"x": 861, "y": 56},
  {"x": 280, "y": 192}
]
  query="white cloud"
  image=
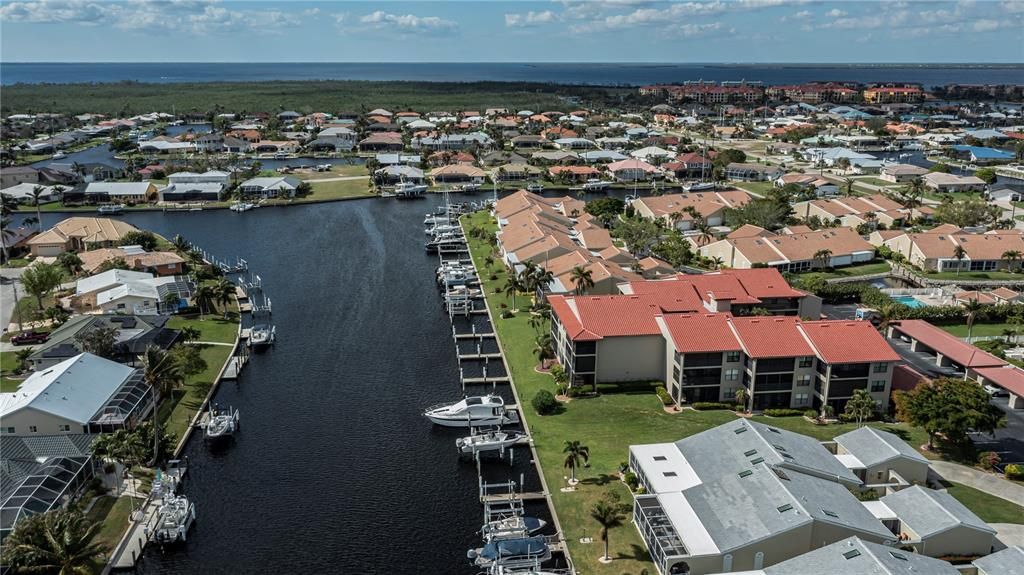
[
  {"x": 598, "y": 18},
  {"x": 835, "y": 13},
  {"x": 803, "y": 15},
  {"x": 408, "y": 23},
  {"x": 190, "y": 16},
  {"x": 311, "y": 12},
  {"x": 531, "y": 18}
]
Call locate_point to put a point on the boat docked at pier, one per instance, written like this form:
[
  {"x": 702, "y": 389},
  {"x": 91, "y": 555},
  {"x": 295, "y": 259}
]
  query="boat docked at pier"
[
  {"x": 699, "y": 187},
  {"x": 239, "y": 207},
  {"x": 491, "y": 440},
  {"x": 446, "y": 243},
  {"x": 409, "y": 190},
  {"x": 111, "y": 209},
  {"x": 174, "y": 519},
  {"x": 513, "y": 527},
  {"x": 509, "y": 553},
  {"x": 594, "y": 185},
  {"x": 221, "y": 424},
  {"x": 476, "y": 411}
]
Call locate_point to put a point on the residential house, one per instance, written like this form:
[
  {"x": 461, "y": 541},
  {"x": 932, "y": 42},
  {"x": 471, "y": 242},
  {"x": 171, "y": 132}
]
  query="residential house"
[
  {"x": 574, "y": 174},
  {"x": 936, "y": 249},
  {"x": 458, "y": 173},
  {"x": 83, "y": 394},
  {"x": 397, "y": 173},
  {"x": 382, "y": 142},
  {"x": 752, "y": 172},
  {"x": 936, "y": 524},
  {"x": 1005, "y": 562},
  {"x": 692, "y": 165},
  {"x": 854, "y": 211},
  {"x": 981, "y": 155},
  {"x": 79, "y": 234},
  {"x": 820, "y": 186},
  {"x": 517, "y": 172},
  {"x": 11, "y": 176},
  {"x": 87, "y": 288},
  {"x": 941, "y": 182},
  {"x": 134, "y": 335},
  {"x": 147, "y": 296},
  {"x": 555, "y": 156},
  {"x": 890, "y": 94},
  {"x": 652, "y": 153},
  {"x": 901, "y": 173},
  {"x": 270, "y": 187},
  {"x": 124, "y": 192},
  {"x": 157, "y": 263},
  {"x": 24, "y": 193},
  {"x": 674, "y": 209},
  {"x": 633, "y": 170},
  {"x": 190, "y": 186},
  {"x": 881, "y": 459},
  {"x": 853, "y": 556},
  {"x": 793, "y": 252}
]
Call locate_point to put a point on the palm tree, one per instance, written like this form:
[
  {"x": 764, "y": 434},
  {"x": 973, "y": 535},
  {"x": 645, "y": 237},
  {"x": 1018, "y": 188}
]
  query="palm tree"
[
  {"x": 706, "y": 235},
  {"x": 542, "y": 348},
  {"x": 36, "y": 193},
  {"x": 870, "y": 217},
  {"x": 526, "y": 276},
  {"x": 583, "y": 279},
  {"x": 189, "y": 333},
  {"x": 204, "y": 298},
  {"x": 609, "y": 517},
  {"x": 181, "y": 245},
  {"x": 1009, "y": 334},
  {"x": 823, "y": 257},
  {"x": 575, "y": 452},
  {"x": 488, "y": 262},
  {"x": 959, "y": 253},
  {"x": 59, "y": 541},
  {"x": 971, "y": 308},
  {"x": 224, "y": 291},
  {"x": 741, "y": 397},
  {"x": 1012, "y": 257},
  {"x": 717, "y": 262},
  {"x": 910, "y": 196},
  {"x": 163, "y": 375},
  {"x": 512, "y": 287},
  {"x": 542, "y": 278},
  {"x": 121, "y": 446},
  {"x": 861, "y": 405}
]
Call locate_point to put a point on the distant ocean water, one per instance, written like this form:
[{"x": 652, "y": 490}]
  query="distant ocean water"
[{"x": 567, "y": 73}]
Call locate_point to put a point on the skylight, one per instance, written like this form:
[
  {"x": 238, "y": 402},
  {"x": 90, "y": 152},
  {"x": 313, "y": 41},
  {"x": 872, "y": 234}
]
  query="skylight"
[
  {"x": 740, "y": 430},
  {"x": 746, "y": 473},
  {"x": 830, "y": 513},
  {"x": 670, "y": 474},
  {"x": 784, "y": 508},
  {"x": 749, "y": 453},
  {"x": 896, "y": 555},
  {"x": 660, "y": 458},
  {"x": 851, "y": 554},
  {"x": 756, "y": 461}
]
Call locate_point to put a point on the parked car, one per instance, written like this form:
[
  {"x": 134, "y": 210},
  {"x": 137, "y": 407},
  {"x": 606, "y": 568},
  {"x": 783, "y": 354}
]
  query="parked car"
[
  {"x": 29, "y": 337},
  {"x": 995, "y": 391}
]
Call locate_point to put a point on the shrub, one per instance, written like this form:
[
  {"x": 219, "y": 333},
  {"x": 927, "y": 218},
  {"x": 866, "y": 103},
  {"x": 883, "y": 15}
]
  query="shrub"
[
  {"x": 574, "y": 391},
  {"x": 1015, "y": 471},
  {"x": 640, "y": 490},
  {"x": 811, "y": 414},
  {"x": 663, "y": 395},
  {"x": 712, "y": 405},
  {"x": 987, "y": 460},
  {"x": 544, "y": 403},
  {"x": 506, "y": 314},
  {"x": 783, "y": 412},
  {"x": 631, "y": 480}
]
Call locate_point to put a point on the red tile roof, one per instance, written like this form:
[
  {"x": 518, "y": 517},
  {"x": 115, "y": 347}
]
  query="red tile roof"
[
  {"x": 1009, "y": 377},
  {"x": 947, "y": 344},
  {"x": 848, "y": 342},
  {"x": 768, "y": 337},
  {"x": 598, "y": 317},
  {"x": 701, "y": 333}
]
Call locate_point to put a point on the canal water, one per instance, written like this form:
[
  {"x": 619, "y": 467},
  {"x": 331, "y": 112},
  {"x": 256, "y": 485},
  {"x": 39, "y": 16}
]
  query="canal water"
[{"x": 335, "y": 470}]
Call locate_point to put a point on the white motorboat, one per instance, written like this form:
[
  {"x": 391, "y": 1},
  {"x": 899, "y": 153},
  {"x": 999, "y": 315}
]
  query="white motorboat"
[
  {"x": 240, "y": 207},
  {"x": 262, "y": 335},
  {"x": 443, "y": 229},
  {"x": 514, "y": 527},
  {"x": 904, "y": 156},
  {"x": 594, "y": 185},
  {"x": 699, "y": 186},
  {"x": 462, "y": 294},
  {"x": 111, "y": 209},
  {"x": 59, "y": 155},
  {"x": 405, "y": 189},
  {"x": 523, "y": 552},
  {"x": 281, "y": 156},
  {"x": 174, "y": 518},
  {"x": 223, "y": 424},
  {"x": 433, "y": 220},
  {"x": 476, "y": 411},
  {"x": 446, "y": 243},
  {"x": 494, "y": 440},
  {"x": 470, "y": 187}
]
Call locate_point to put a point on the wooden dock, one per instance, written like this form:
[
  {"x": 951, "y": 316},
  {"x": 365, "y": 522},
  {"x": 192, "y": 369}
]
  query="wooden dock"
[
  {"x": 527, "y": 496},
  {"x": 235, "y": 365},
  {"x": 466, "y": 356},
  {"x": 474, "y": 335},
  {"x": 484, "y": 381}
]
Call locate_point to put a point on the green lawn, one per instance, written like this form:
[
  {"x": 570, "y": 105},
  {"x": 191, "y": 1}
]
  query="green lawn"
[
  {"x": 113, "y": 513},
  {"x": 995, "y": 275},
  {"x": 759, "y": 188},
  {"x": 957, "y": 196},
  {"x": 875, "y": 267},
  {"x": 177, "y": 412},
  {"x": 328, "y": 191},
  {"x": 8, "y": 361},
  {"x": 990, "y": 508},
  {"x": 212, "y": 327},
  {"x": 873, "y": 181},
  {"x": 336, "y": 170},
  {"x": 607, "y": 424},
  {"x": 981, "y": 329}
]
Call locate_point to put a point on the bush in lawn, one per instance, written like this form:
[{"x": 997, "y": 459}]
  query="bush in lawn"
[
  {"x": 1015, "y": 471},
  {"x": 663, "y": 395},
  {"x": 783, "y": 412},
  {"x": 544, "y": 403},
  {"x": 575, "y": 391},
  {"x": 987, "y": 460},
  {"x": 712, "y": 405},
  {"x": 811, "y": 414},
  {"x": 631, "y": 480}
]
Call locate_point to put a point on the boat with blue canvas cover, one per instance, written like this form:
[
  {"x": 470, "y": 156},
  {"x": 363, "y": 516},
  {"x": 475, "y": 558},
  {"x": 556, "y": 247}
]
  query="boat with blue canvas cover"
[{"x": 525, "y": 552}]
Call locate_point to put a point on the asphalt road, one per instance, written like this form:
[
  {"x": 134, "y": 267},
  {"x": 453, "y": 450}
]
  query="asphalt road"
[{"x": 7, "y": 278}]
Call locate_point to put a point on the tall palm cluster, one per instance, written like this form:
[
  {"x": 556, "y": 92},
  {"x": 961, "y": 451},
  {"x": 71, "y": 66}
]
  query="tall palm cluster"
[{"x": 59, "y": 541}]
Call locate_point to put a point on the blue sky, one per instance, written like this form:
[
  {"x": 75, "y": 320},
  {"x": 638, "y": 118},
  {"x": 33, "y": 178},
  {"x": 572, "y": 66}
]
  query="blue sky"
[{"x": 496, "y": 31}]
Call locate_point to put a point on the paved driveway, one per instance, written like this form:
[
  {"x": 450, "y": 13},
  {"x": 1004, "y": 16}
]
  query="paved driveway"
[
  {"x": 7, "y": 278},
  {"x": 922, "y": 362},
  {"x": 1008, "y": 441}
]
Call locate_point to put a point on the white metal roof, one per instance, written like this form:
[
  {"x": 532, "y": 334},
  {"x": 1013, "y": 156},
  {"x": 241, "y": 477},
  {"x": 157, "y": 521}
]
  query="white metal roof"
[
  {"x": 107, "y": 279},
  {"x": 658, "y": 459},
  {"x": 74, "y": 389}
]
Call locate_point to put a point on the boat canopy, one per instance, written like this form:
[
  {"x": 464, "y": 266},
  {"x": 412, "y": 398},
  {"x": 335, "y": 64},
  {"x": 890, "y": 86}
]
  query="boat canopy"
[{"x": 530, "y": 546}]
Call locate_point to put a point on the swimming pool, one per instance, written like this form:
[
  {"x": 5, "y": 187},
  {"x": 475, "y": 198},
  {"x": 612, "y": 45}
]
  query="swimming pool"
[{"x": 908, "y": 300}]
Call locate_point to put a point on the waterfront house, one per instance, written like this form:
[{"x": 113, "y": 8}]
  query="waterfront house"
[
  {"x": 192, "y": 192},
  {"x": 157, "y": 262},
  {"x": 165, "y": 146},
  {"x": 941, "y": 182},
  {"x": 134, "y": 335},
  {"x": 13, "y": 175},
  {"x": 652, "y": 154},
  {"x": 334, "y": 139},
  {"x": 752, "y": 172},
  {"x": 935, "y": 250},
  {"x": 517, "y": 172},
  {"x": 397, "y": 173},
  {"x": 458, "y": 173},
  {"x": 901, "y": 173},
  {"x": 692, "y": 165},
  {"x": 23, "y": 193},
  {"x": 881, "y": 459},
  {"x": 981, "y": 155},
  {"x": 743, "y": 496},
  {"x": 82, "y": 394},
  {"x": 602, "y": 156},
  {"x": 793, "y": 252},
  {"x": 554, "y": 157},
  {"x": 633, "y": 170},
  {"x": 79, "y": 234},
  {"x": 498, "y": 157},
  {"x": 87, "y": 288},
  {"x": 121, "y": 192},
  {"x": 382, "y": 142},
  {"x": 528, "y": 141},
  {"x": 270, "y": 187},
  {"x": 145, "y": 296},
  {"x": 573, "y": 174},
  {"x": 398, "y": 159},
  {"x": 675, "y": 209},
  {"x": 478, "y": 140}
]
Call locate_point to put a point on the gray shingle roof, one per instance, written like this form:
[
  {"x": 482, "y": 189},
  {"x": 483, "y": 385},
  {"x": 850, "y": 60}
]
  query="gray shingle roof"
[
  {"x": 929, "y": 512},
  {"x": 1009, "y": 561},
  {"x": 855, "y": 557},
  {"x": 872, "y": 446},
  {"x": 721, "y": 451}
]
